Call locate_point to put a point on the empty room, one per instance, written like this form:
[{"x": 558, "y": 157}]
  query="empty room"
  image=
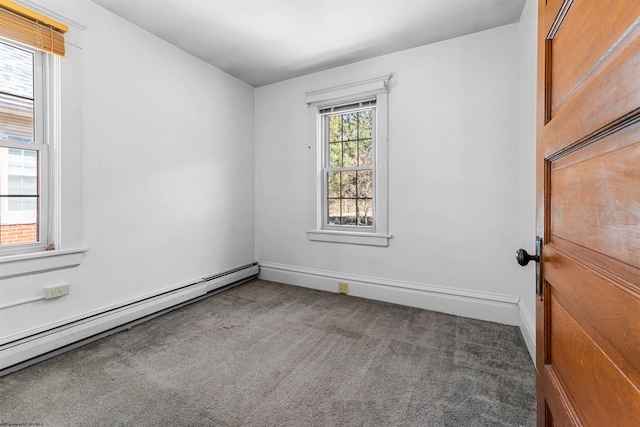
[{"x": 319, "y": 212}]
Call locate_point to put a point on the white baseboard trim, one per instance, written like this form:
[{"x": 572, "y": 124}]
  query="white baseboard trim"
[
  {"x": 492, "y": 307},
  {"x": 23, "y": 349},
  {"x": 528, "y": 329}
]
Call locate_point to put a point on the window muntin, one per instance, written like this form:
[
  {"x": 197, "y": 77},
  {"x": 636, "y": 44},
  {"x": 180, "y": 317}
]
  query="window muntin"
[
  {"x": 349, "y": 166},
  {"x": 23, "y": 152}
]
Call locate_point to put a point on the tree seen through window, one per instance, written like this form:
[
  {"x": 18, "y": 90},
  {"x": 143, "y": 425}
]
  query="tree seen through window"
[{"x": 349, "y": 168}]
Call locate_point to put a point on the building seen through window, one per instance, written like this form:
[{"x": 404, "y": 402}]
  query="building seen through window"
[{"x": 19, "y": 155}]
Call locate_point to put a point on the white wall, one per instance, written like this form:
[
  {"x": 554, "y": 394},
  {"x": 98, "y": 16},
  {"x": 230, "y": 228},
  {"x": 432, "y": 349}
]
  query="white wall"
[
  {"x": 160, "y": 167},
  {"x": 527, "y": 162},
  {"x": 158, "y": 172},
  {"x": 453, "y": 168}
]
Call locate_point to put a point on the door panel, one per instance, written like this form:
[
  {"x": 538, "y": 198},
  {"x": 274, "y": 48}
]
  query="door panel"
[
  {"x": 588, "y": 210},
  {"x": 557, "y": 410},
  {"x": 595, "y": 198},
  {"x": 604, "y": 98},
  {"x": 609, "y": 313},
  {"x": 576, "y": 51},
  {"x": 595, "y": 386}
]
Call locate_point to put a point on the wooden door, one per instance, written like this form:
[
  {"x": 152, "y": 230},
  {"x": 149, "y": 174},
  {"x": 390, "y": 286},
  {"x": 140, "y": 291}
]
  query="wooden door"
[{"x": 588, "y": 210}]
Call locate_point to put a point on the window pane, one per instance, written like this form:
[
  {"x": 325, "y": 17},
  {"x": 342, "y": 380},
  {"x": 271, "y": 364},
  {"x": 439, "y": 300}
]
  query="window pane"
[
  {"x": 30, "y": 162},
  {"x": 22, "y": 185},
  {"x": 350, "y": 123},
  {"x": 18, "y": 215},
  {"x": 333, "y": 208},
  {"x": 350, "y": 153},
  {"x": 335, "y": 155},
  {"x": 365, "y": 124},
  {"x": 348, "y": 212},
  {"x": 16, "y": 71},
  {"x": 22, "y": 162},
  {"x": 333, "y": 185},
  {"x": 365, "y": 213},
  {"x": 11, "y": 234},
  {"x": 16, "y": 94},
  {"x": 26, "y": 205},
  {"x": 349, "y": 181},
  {"x": 365, "y": 151},
  {"x": 335, "y": 128},
  {"x": 364, "y": 184},
  {"x": 16, "y": 119}
]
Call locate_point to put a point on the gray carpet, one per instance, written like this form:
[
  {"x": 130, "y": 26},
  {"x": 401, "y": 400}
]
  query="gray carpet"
[{"x": 267, "y": 354}]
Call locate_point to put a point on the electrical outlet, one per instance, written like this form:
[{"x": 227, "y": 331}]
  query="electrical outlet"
[
  {"x": 56, "y": 291},
  {"x": 343, "y": 288}
]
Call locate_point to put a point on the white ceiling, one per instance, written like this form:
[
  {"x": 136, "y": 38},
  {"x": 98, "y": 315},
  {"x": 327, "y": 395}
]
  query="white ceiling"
[{"x": 265, "y": 41}]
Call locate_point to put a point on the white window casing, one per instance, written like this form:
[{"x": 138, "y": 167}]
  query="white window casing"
[
  {"x": 49, "y": 253},
  {"x": 47, "y": 104},
  {"x": 377, "y": 235}
]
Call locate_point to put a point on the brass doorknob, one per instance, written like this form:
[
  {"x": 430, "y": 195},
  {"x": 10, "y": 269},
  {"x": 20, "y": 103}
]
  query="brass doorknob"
[{"x": 523, "y": 257}]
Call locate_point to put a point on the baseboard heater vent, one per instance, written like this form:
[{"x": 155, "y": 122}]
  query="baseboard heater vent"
[
  {"x": 27, "y": 350},
  {"x": 230, "y": 272}
]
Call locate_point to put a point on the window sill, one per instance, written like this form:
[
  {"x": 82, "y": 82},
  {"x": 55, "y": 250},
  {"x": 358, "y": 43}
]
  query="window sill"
[
  {"x": 40, "y": 262},
  {"x": 367, "y": 239}
]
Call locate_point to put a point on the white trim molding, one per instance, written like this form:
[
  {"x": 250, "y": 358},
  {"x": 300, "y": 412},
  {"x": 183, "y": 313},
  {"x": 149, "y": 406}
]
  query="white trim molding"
[
  {"x": 40, "y": 262},
  {"x": 527, "y": 325},
  {"x": 369, "y": 239},
  {"x": 488, "y": 306},
  {"x": 337, "y": 94}
]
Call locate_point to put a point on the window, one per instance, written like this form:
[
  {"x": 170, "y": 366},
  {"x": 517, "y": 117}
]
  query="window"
[
  {"x": 31, "y": 45},
  {"x": 24, "y": 148},
  {"x": 349, "y": 131},
  {"x": 348, "y": 148}
]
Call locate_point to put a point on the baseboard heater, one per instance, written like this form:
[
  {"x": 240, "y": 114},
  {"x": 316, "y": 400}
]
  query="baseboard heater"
[{"x": 26, "y": 351}]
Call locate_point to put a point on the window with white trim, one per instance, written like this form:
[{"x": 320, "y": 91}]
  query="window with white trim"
[
  {"x": 348, "y": 125},
  {"x": 25, "y": 114},
  {"x": 348, "y": 140}
]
